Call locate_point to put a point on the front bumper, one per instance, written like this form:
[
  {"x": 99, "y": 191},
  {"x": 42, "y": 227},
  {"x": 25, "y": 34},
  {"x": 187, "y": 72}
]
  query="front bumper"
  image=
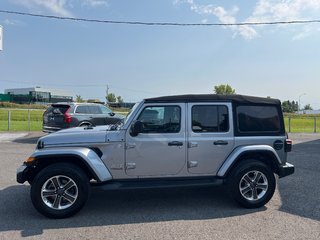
[
  {"x": 22, "y": 172},
  {"x": 286, "y": 170}
]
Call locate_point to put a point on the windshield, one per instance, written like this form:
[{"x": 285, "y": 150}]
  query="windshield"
[{"x": 123, "y": 121}]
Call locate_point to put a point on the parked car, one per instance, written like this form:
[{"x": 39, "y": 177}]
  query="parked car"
[
  {"x": 185, "y": 140},
  {"x": 66, "y": 115}
]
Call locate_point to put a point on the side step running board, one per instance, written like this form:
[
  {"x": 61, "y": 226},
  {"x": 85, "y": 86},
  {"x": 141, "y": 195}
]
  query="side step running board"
[{"x": 145, "y": 184}]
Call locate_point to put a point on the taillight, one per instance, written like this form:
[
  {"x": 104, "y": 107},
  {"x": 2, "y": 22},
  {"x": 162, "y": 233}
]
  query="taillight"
[
  {"x": 288, "y": 145},
  {"x": 67, "y": 117}
]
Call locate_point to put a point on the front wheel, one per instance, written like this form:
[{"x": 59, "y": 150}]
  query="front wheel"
[
  {"x": 251, "y": 183},
  {"x": 60, "y": 190}
]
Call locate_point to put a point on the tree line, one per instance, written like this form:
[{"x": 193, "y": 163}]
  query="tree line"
[{"x": 223, "y": 89}]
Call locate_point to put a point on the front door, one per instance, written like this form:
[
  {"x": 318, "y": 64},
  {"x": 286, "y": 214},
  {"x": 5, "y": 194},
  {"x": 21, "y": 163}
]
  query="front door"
[
  {"x": 160, "y": 148},
  {"x": 210, "y": 136}
]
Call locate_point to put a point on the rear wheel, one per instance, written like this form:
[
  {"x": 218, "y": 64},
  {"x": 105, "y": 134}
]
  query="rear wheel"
[
  {"x": 251, "y": 183},
  {"x": 85, "y": 125},
  {"x": 60, "y": 190}
]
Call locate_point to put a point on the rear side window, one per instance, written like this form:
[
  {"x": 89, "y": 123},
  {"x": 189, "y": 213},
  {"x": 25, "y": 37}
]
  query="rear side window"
[
  {"x": 257, "y": 119},
  {"x": 210, "y": 118},
  {"x": 82, "y": 109}
]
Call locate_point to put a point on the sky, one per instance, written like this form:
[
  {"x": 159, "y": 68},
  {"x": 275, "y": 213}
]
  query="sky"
[{"x": 136, "y": 62}]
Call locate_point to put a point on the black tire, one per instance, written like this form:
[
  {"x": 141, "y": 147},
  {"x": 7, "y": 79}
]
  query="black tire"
[
  {"x": 63, "y": 201},
  {"x": 85, "y": 125},
  {"x": 246, "y": 188}
]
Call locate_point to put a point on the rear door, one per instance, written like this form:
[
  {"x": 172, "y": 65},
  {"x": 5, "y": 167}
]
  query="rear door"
[
  {"x": 54, "y": 115},
  {"x": 210, "y": 136},
  {"x": 96, "y": 116}
]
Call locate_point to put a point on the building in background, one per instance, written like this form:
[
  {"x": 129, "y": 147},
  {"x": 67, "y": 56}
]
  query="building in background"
[{"x": 38, "y": 95}]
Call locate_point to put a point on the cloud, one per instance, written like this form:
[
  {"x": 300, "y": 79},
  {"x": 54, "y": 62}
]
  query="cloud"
[
  {"x": 9, "y": 22},
  {"x": 95, "y": 3},
  {"x": 12, "y": 22},
  {"x": 276, "y": 10},
  {"x": 59, "y": 7},
  {"x": 264, "y": 11},
  {"x": 223, "y": 16},
  {"x": 272, "y": 10}
]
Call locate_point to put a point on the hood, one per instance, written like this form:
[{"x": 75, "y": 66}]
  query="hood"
[{"x": 75, "y": 136}]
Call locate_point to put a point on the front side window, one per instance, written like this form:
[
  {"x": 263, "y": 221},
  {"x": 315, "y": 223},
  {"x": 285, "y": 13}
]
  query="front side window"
[
  {"x": 210, "y": 118},
  {"x": 258, "y": 119},
  {"x": 105, "y": 110},
  {"x": 161, "y": 119},
  {"x": 94, "y": 109}
]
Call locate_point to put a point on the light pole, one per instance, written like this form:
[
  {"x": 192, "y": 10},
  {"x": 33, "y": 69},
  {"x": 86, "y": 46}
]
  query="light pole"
[{"x": 299, "y": 106}]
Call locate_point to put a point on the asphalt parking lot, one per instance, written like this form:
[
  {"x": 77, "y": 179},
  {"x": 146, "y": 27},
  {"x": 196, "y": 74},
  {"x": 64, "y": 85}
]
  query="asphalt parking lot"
[{"x": 192, "y": 213}]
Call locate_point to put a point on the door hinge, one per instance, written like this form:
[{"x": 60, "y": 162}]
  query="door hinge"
[
  {"x": 192, "y": 164},
  {"x": 130, "y": 166},
  {"x": 192, "y": 144},
  {"x": 116, "y": 166},
  {"x": 128, "y": 145}
]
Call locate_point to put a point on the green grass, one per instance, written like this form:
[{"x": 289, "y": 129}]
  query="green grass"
[
  {"x": 21, "y": 125},
  {"x": 19, "y": 121},
  {"x": 302, "y": 124},
  {"x": 20, "y": 106}
]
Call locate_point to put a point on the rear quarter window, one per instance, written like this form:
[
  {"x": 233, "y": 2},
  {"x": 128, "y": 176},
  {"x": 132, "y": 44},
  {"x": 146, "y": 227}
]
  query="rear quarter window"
[{"x": 258, "y": 119}]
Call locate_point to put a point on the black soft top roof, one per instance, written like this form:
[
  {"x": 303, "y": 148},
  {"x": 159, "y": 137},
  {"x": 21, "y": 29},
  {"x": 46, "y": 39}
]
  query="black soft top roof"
[{"x": 214, "y": 97}]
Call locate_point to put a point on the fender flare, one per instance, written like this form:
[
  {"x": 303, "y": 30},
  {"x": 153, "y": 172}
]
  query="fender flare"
[
  {"x": 240, "y": 151},
  {"x": 88, "y": 156}
]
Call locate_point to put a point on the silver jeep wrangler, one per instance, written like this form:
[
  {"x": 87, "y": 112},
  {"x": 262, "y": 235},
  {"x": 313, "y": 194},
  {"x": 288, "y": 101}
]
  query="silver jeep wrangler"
[{"x": 172, "y": 141}]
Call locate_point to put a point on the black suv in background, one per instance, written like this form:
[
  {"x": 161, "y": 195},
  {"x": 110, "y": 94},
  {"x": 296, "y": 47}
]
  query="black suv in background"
[{"x": 66, "y": 115}]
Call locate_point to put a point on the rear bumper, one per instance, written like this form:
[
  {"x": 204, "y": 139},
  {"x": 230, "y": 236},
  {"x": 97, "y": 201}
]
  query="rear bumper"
[
  {"x": 286, "y": 170},
  {"x": 22, "y": 173},
  {"x": 50, "y": 129}
]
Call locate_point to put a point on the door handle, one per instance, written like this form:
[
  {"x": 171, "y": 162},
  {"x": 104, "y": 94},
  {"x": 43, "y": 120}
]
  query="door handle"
[
  {"x": 220, "y": 142},
  {"x": 175, "y": 143}
]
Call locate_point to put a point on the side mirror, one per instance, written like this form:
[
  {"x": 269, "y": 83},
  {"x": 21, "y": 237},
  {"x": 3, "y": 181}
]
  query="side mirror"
[
  {"x": 136, "y": 128},
  {"x": 112, "y": 114}
]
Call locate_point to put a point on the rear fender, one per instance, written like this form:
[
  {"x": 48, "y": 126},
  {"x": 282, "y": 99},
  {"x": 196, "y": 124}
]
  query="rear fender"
[{"x": 236, "y": 155}]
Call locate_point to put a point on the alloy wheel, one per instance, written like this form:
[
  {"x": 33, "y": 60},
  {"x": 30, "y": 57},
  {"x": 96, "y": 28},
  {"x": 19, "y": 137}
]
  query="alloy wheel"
[{"x": 59, "y": 192}]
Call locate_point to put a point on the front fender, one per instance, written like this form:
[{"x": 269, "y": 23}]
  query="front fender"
[
  {"x": 233, "y": 157},
  {"x": 86, "y": 155}
]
